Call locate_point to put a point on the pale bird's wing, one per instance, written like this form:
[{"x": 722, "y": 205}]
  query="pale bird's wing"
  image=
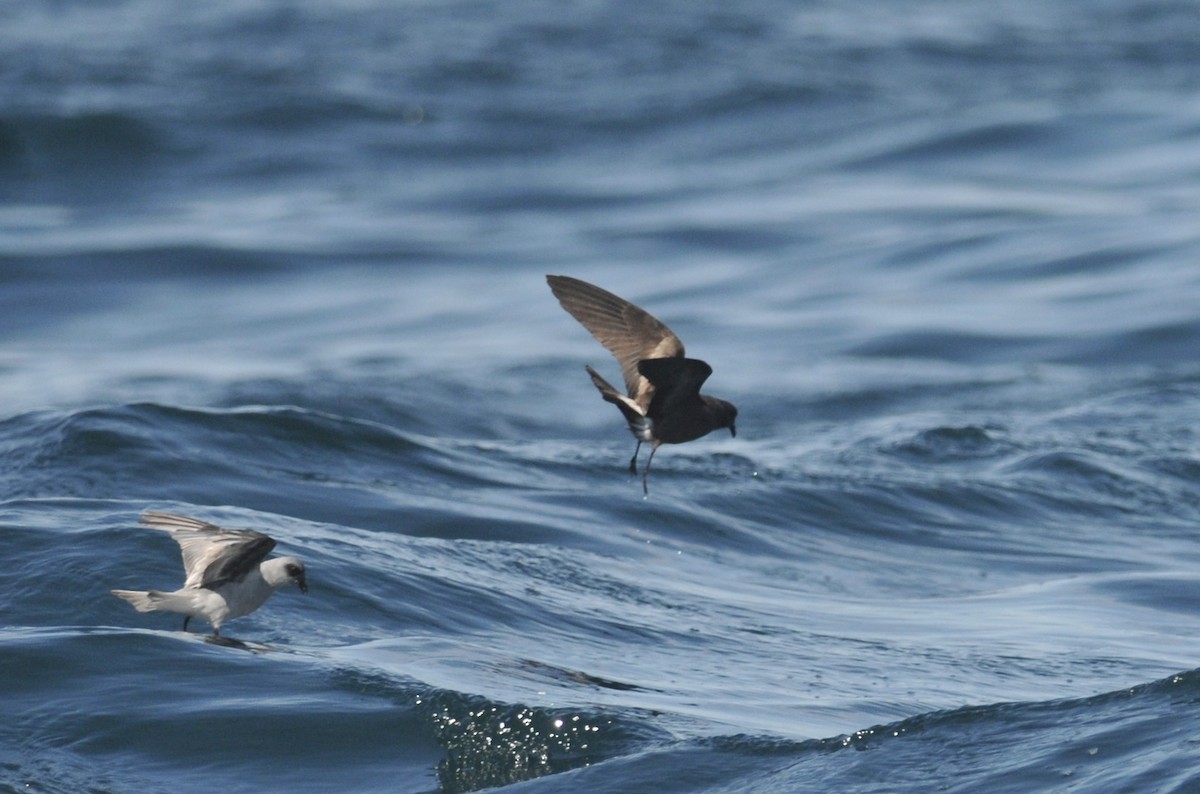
[
  {"x": 211, "y": 554},
  {"x": 631, "y": 334}
]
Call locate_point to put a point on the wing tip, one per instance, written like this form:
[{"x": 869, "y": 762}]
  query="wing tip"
[{"x": 170, "y": 522}]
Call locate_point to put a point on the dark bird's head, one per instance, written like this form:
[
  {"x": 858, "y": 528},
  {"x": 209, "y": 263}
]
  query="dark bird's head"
[{"x": 726, "y": 414}]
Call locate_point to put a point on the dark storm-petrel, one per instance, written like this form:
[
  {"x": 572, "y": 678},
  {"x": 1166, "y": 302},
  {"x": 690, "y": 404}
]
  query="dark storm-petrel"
[{"x": 663, "y": 403}]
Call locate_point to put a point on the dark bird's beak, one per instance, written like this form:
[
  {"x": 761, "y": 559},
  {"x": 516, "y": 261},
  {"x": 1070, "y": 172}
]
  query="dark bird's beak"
[
  {"x": 733, "y": 430},
  {"x": 302, "y": 583}
]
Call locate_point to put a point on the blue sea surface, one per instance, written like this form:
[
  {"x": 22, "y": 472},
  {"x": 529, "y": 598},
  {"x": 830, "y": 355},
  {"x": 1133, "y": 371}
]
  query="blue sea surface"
[{"x": 280, "y": 265}]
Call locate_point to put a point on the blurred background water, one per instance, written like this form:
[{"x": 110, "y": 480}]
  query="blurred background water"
[{"x": 281, "y": 266}]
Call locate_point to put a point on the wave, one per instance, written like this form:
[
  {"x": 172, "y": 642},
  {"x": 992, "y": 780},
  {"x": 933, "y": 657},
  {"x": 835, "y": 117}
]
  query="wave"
[
  {"x": 1133, "y": 739},
  {"x": 94, "y": 156},
  {"x": 158, "y": 452}
]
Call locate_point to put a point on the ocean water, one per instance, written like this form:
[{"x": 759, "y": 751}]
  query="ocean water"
[{"x": 281, "y": 265}]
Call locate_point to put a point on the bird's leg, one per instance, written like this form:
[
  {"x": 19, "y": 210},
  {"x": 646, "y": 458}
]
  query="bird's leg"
[
  {"x": 646, "y": 471},
  {"x": 633, "y": 460},
  {"x": 186, "y": 618}
]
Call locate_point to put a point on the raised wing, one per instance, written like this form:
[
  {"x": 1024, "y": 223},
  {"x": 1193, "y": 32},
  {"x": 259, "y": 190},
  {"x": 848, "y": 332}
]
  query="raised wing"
[
  {"x": 630, "y": 333},
  {"x": 676, "y": 382},
  {"x": 682, "y": 376},
  {"x": 211, "y": 554}
]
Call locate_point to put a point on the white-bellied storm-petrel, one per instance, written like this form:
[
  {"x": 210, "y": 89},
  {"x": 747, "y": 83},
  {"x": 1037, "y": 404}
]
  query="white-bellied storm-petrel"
[
  {"x": 663, "y": 403},
  {"x": 228, "y": 573}
]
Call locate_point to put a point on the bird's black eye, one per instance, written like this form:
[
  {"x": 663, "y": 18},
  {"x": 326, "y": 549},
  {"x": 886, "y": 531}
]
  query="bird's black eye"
[{"x": 294, "y": 570}]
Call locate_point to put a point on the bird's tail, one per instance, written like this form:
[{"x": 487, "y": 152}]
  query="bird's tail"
[
  {"x": 146, "y": 600},
  {"x": 639, "y": 425}
]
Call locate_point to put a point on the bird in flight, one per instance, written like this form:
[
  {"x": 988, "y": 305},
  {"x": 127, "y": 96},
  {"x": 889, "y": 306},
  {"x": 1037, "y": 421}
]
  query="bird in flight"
[
  {"x": 228, "y": 573},
  {"x": 662, "y": 401}
]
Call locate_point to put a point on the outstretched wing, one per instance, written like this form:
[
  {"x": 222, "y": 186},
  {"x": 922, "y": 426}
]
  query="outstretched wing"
[
  {"x": 211, "y": 555},
  {"x": 630, "y": 333}
]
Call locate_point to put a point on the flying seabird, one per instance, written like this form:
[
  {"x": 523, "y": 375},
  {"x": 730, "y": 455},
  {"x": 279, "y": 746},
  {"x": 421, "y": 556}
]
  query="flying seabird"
[
  {"x": 228, "y": 573},
  {"x": 662, "y": 403}
]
